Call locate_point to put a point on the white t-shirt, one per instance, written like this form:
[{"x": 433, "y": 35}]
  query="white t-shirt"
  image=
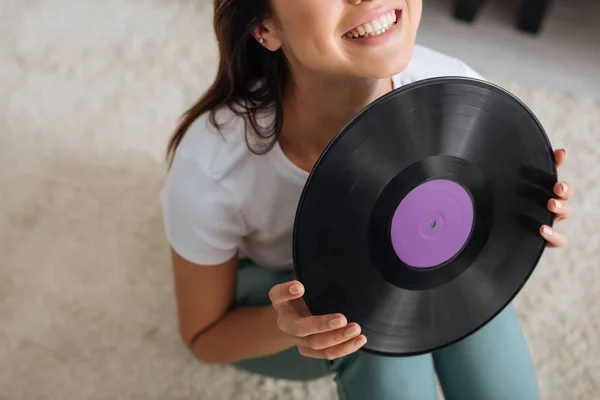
[{"x": 220, "y": 198}]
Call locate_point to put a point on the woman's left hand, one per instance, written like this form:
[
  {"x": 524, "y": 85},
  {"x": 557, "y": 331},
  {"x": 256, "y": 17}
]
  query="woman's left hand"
[{"x": 559, "y": 206}]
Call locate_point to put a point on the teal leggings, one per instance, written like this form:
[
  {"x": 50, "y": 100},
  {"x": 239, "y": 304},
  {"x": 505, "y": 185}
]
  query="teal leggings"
[{"x": 492, "y": 364}]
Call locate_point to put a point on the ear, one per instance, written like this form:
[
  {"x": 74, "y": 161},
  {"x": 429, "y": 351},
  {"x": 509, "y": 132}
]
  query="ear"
[{"x": 270, "y": 35}]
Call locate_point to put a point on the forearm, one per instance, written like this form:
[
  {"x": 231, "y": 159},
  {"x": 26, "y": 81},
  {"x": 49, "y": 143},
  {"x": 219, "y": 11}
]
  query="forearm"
[{"x": 245, "y": 332}]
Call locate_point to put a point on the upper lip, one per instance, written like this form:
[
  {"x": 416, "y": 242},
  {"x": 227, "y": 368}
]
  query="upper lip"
[{"x": 369, "y": 16}]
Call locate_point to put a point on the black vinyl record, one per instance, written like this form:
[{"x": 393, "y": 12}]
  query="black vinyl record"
[{"x": 420, "y": 220}]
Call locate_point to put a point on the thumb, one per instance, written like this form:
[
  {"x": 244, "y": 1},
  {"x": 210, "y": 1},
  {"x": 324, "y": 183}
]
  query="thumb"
[{"x": 284, "y": 292}]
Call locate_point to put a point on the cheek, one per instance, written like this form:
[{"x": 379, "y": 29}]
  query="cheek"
[
  {"x": 415, "y": 8},
  {"x": 309, "y": 31}
]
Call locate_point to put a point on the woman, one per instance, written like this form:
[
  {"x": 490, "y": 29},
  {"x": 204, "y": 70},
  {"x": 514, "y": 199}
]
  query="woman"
[{"x": 291, "y": 74}]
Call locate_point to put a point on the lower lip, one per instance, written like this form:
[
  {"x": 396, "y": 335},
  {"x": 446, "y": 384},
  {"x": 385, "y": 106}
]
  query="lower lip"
[{"x": 378, "y": 39}]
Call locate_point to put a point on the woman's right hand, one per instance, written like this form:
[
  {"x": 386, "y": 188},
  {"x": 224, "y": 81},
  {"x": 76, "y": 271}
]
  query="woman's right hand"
[{"x": 323, "y": 336}]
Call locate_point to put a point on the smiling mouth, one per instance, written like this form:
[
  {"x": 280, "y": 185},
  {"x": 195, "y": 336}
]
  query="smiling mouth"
[{"x": 375, "y": 27}]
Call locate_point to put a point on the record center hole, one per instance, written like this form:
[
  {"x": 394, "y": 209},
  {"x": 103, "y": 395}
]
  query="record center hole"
[{"x": 432, "y": 224}]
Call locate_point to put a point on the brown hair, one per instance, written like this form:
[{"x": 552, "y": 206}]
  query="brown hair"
[{"x": 243, "y": 64}]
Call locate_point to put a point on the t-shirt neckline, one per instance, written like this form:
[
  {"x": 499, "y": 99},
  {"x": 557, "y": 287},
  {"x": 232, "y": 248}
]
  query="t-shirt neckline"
[
  {"x": 294, "y": 171},
  {"x": 291, "y": 169}
]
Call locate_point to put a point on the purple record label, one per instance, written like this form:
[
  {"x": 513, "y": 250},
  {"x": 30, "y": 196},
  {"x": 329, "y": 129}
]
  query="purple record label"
[{"x": 432, "y": 223}]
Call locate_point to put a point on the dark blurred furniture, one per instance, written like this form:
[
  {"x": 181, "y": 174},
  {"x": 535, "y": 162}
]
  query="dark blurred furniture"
[{"x": 530, "y": 19}]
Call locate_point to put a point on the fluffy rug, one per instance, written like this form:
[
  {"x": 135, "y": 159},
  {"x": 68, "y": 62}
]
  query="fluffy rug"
[{"x": 89, "y": 91}]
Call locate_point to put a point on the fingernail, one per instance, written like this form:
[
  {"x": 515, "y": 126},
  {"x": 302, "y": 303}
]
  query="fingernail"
[
  {"x": 295, "y": 289},
  {"x": 557, "y": 204},
  {"x": 547, "y": 231},
  {"x": 351, "y": 331},
  {"x": 564, "y": 187},
  {"x": 336, "y": 323},
  {"x": 360, "y": 341},
  {"x": 565, "y": 151}
]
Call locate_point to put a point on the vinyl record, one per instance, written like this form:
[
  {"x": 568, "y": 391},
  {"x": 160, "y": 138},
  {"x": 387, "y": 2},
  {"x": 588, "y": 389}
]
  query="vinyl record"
[{"x": 420, "y": 220}]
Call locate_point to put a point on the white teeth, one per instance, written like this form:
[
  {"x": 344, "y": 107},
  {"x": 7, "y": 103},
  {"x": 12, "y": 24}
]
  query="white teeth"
[{"x": 373, "y": 28}]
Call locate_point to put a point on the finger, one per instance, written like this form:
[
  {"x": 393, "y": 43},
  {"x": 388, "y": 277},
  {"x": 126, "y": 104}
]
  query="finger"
[
  {"x": 302, "y": 327},
  {"x": 331, "y": 353},
  {"x": 329, "y": 339},
  {"x": 560, "y": 155},
  {"x": 563, "y": 190},
  {"x": 561, "y": 208},
  {"x": 553, "y": 237},
  {"x": 285, "y": 292},
  {"x": 298, "y": 307}
]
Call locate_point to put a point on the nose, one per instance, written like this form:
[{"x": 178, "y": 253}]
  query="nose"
[{"x": 357, "y": 2}]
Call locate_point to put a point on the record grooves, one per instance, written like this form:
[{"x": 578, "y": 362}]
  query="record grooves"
[{"x": 420, "y": 219}]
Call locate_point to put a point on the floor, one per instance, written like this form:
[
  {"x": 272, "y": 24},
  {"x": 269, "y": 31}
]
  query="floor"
[{"x": 565, "y": 55}]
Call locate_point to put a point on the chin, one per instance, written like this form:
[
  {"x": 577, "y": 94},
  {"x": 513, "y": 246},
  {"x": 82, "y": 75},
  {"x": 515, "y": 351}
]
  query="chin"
[
  {"x": 381, "y": 69},
  {"x": 381, "y": 64}
]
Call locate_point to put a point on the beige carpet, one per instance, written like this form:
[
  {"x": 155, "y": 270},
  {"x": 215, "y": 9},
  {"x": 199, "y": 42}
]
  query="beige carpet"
[{"x": 89, "y": 91}]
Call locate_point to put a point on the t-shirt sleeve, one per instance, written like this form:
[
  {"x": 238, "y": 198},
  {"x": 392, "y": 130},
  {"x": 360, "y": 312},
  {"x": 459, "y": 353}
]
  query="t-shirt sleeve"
[
  {"x": 202, "y": 220},
  {"x": 469, "y": 72}
]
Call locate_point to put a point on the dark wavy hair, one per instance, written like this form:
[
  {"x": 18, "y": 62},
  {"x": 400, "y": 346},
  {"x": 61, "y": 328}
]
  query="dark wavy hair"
[{"x": 250, "y": 79}]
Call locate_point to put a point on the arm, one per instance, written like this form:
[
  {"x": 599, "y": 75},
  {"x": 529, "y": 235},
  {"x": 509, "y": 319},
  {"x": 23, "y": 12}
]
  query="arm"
[{"x": 211, "y": 326}]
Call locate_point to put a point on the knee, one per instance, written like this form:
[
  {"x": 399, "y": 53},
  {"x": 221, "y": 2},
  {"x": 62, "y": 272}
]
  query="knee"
[{"x": 367, "y": 376}]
